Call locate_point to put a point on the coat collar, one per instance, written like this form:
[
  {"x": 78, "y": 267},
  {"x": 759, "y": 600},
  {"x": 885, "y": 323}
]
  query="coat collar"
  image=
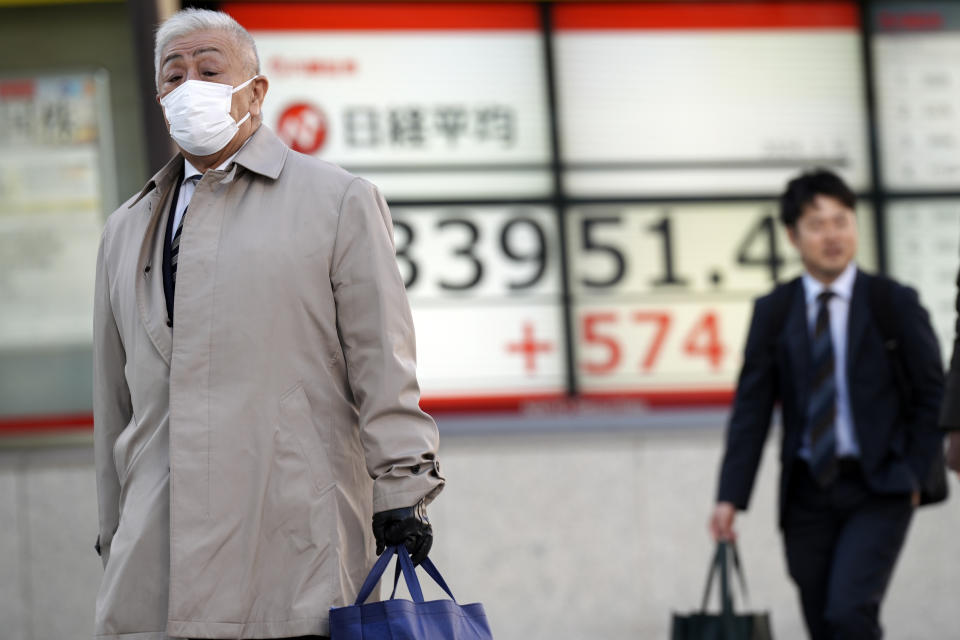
[
  {"x": 161, "y": 178},
  {"x": 264, "y": 153}
]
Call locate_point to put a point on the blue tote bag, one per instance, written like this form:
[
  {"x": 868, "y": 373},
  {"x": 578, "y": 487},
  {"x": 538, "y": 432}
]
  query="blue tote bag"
[{"x": 404, "y": 619}]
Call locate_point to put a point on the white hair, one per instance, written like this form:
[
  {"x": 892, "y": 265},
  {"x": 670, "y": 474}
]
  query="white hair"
[{"x": 190, "y": 20}]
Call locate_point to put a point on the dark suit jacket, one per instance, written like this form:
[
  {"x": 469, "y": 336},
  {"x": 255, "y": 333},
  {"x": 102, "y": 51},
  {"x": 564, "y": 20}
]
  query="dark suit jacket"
[{"x": 895, "y": 453}]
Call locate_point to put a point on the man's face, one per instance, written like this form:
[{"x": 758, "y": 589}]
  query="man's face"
[
  {"x": 826, "y": 237},
  {"x": 211, "y": 56}
]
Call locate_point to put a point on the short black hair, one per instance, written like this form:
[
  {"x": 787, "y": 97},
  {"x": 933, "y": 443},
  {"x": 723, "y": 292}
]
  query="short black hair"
[{"x": 802, "y": 190}]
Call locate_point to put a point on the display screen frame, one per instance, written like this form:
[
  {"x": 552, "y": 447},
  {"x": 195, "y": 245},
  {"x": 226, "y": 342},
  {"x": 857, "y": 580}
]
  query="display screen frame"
[{"x": 549, "y": 20}]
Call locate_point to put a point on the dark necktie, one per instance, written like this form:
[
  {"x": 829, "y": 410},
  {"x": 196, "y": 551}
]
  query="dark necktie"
[
  {"x": 822, "y": 405},
  {"x": 175, "y": 243}
]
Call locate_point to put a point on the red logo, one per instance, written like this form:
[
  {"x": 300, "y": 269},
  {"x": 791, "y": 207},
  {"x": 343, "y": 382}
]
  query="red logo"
[{"x": 303, "y": 127}]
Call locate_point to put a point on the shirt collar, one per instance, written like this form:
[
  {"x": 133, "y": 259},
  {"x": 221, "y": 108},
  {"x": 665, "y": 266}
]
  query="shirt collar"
[
  {"x": 189, "y": 170},
  {"x": 842, "y": 287}
]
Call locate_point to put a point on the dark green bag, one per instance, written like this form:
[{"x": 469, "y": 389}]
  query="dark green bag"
[{"x": 726, "y": 625}]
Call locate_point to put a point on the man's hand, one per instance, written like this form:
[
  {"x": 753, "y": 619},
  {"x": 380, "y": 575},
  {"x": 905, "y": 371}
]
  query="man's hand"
[
  {"x": 407, "y": 526},
  {"x": 915, "y": 499},
  {"x": 721, "y": 522}
]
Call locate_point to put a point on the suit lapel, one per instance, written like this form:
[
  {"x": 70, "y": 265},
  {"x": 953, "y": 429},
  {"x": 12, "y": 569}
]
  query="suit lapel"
[
  {"x": 797, "y": 336},
  {"x": 858, "y": 320}
]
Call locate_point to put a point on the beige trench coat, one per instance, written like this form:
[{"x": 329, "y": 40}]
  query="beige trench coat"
[{"x": 241, "y": 453}]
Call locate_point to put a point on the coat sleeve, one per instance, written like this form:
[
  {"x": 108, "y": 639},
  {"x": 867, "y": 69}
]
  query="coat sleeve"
[
  {"x": 925, "y": 371},
  {"x": 112, "y": 409},
  {"x": 400, "y": 441},
  {"x": 950, "y": 411},
  {"x": 752, "y": 411}
]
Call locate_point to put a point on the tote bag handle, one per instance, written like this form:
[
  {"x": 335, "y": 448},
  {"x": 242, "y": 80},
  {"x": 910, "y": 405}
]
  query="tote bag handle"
[
  {"x": 405, "y": 566},
  {"x": 427, "y": 566},
  {"x": 721, "y": 561}
]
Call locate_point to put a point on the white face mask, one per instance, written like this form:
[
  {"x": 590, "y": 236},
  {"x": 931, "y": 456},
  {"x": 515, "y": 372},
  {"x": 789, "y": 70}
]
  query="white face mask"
[{"x": 199, "y": 115}]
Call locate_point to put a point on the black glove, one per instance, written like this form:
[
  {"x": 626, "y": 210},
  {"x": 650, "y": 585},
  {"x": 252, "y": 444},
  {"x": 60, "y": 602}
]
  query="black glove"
[{"x": 407, "y": 526}]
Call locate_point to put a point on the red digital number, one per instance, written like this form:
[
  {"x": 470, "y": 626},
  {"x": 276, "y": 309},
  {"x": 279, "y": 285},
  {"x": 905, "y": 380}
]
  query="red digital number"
[
  {"x": 662, "y": 320},
  {"x": 704, "y": 340},
  {"x": 592, "y": 337}
]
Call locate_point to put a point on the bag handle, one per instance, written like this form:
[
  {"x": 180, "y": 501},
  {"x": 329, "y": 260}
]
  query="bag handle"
[
  {"x": 431, "y": 570},
  {"x": 719, "y": 562},
  {"x": 738, "y": 569},
  {"x": 725, "y": 551},
  {"x": 409, "y": 573},
  {"x": 374, "y": 576},
  {"x": 434, "y": 573},
  {"x": 404, "y": 566}
]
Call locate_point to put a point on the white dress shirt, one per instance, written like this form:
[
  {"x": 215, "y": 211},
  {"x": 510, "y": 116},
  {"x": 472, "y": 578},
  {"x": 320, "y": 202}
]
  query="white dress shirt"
[
  {"x": 188, "y": 186},
  {"x": 839, "y": 306}
]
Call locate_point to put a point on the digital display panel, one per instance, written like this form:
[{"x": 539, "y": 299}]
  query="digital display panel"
[
  {"x": 663, "y": 292},
  {"x": 708, "y": 98},
  {"x": 484, "y": 285},
  {"x": 923, "y": 250},
  {"x": 440, "y": 101},
  {"x": 916, "y": 47},
  {"x": 583, "y": 192}
]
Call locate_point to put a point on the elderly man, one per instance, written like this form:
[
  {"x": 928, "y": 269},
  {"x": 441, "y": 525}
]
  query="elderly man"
[{"x": 255, "y": 396}]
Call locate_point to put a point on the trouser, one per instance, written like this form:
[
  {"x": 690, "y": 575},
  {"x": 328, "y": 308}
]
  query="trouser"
[
  {"x": 842, "y": 543},
  {"x": 304, "y": 638}
]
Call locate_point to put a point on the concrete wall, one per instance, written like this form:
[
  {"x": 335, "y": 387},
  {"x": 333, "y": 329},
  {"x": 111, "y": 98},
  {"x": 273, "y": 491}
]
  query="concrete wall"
[{"x": 560, "y": 535}]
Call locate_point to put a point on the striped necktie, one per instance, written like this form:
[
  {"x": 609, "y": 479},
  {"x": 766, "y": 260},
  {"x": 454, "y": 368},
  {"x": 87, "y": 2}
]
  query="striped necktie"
[
  {"x": 822, "y": 404},
  {"x": 175, "y": 243}
]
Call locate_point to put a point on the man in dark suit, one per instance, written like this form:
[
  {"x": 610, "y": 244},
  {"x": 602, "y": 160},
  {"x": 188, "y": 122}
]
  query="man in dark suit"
[{"x": 852, "y": 461}]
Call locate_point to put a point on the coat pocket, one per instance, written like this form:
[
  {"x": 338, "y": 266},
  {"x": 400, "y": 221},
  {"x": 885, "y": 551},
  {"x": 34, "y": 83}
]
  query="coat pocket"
[{"x": 297, "y": 419}]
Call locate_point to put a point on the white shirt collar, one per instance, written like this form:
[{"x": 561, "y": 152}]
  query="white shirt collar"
[
  {"x": 842, "y": 287},
  {"x": 189, "y": 170}
]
